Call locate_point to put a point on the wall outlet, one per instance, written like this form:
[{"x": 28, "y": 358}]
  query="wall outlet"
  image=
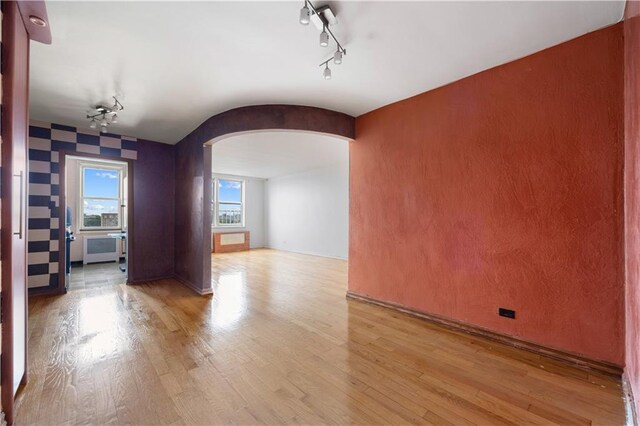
[{"x": 507, "y": 313}]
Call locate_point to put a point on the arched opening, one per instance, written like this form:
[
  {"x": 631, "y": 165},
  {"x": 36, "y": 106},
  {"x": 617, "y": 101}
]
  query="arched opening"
[
  {"x": 278, "y": 198},
  {"x": 194, "y": 174}
]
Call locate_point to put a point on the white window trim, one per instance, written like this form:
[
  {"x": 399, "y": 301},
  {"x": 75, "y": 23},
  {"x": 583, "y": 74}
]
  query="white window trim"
[
  {"x": 216, "y": 203},
  {"x": 121, "y": 168}
]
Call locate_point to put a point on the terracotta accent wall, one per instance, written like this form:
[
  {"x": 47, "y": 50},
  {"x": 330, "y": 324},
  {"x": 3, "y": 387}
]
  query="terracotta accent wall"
[
  {"x": 503, "y": 189},
  {"x": 632, "y": 193}
]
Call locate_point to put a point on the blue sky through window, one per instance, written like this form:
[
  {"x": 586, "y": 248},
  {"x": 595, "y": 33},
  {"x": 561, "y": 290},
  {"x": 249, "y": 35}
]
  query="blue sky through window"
[
  {"x": 229, "y": 191},
  {"x": 101, "y": 183}
]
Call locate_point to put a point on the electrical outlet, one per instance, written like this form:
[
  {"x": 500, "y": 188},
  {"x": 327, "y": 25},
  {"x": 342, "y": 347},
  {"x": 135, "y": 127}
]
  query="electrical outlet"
[{"x": 507, "y": 313}]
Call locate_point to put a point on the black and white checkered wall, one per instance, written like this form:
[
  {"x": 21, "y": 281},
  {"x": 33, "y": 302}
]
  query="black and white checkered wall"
[{"x": 45, "y": 142}]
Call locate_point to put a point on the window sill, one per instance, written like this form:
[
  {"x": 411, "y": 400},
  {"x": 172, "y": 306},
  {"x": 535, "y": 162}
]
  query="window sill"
[
  {"x": 99, "y": 231},
  {"x": 238, "y": 227}
]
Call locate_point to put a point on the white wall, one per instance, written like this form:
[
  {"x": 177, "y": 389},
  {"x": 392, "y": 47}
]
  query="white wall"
[
  {"x": 253, "y": 213},
  {"x": 308, "y": 212}
]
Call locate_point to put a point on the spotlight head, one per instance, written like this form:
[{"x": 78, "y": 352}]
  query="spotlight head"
[
  {"x": 305, "y": 14},
  {"x": 114, "y": 119},
  {"x": 337, "y": 57},
  {"x": 103, "y": 122},
  {"x": 103, "y": 129},
  {"x": 93, "y": 124},
  {"x": 324, "y": 38},
  {"x": 327, "y": 72}
]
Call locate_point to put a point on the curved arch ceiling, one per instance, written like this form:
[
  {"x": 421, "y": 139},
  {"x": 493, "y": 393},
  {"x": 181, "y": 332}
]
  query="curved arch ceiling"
[{"x": 270, "y": 154}]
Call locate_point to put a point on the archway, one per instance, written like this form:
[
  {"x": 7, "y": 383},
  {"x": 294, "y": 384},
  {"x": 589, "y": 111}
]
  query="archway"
[{"x": 194, "y": 173}]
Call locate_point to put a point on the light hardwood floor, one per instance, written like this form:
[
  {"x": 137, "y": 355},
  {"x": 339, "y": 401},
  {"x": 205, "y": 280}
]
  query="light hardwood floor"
[
  {"x": 279, "y": 343},
  {"x": 95, "y": 275}
]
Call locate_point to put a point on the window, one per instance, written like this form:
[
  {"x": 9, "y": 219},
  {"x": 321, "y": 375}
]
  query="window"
[
  {"x": 228, "y": 202},
  {"x": 101, "y": 197}
]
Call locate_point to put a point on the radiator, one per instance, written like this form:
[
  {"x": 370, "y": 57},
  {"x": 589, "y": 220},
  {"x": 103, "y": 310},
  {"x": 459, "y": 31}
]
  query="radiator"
[
  {"x": 227, "y": 239},
  {"x": 100, "y": 249},
  {"x": 225, "y": 242}
]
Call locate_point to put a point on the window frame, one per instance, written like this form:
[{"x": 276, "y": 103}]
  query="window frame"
[
  {"x": 215, "y": 198},
  {"x": 121, "y": 169}
]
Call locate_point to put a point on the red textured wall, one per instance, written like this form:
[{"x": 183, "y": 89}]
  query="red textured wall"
[
  {"x": 632, "y": 193},
  {"x": 503, "y": 189}
]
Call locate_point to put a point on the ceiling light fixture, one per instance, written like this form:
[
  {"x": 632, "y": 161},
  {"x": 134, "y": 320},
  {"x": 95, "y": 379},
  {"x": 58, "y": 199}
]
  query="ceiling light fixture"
[
  {"x": 327, "y": 72},
  {"x": 323, "y": 18},
  {"x": 304, "y": 14},
  {"x": 105, "y": 115},
  {"x": 324, "y": 37},
  {"x": 337, "y": 57},
  {"x": 36, "y": 20}
]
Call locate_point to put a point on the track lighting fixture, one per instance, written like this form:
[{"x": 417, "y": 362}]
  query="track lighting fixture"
[
  {"x": 105, "y": 115},
  {"x": 327, "y": 72},
  {"x": 337, "y": 57},
  {"x": 304, "y": 14},
  {"x": 323, "y": 17},
  {"x": 324, "y": 37}
]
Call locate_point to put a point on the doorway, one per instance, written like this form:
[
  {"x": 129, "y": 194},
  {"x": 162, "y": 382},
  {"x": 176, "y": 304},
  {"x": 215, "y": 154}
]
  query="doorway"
[{"x": 95, "y": 220}]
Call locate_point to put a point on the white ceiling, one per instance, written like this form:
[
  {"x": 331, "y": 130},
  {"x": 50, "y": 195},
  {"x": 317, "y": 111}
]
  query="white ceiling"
[
  {"x": 270, "y": 154},
  {"x": 174, "y": 64}
]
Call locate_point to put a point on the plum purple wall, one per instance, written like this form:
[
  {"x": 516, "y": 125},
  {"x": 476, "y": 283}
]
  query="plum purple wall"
[
  {"x": 154, "y": 215},
  {"x": 503, "y": 189},
  {"x": 190, "y": 228}
]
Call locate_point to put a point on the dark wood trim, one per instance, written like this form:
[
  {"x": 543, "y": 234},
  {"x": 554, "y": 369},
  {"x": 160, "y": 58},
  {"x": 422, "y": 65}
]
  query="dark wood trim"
[
  {"x": 568, "y": 358},
  {"x": 62, "y": 257},
  {"x": 191, "y": 286},
  {"x": 146, "y": 280},
  {"x": 629, "y": 401}
]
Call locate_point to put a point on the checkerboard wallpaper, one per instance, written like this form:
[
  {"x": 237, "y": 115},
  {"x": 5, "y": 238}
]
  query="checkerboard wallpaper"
[{"x": 45, "y": 142}]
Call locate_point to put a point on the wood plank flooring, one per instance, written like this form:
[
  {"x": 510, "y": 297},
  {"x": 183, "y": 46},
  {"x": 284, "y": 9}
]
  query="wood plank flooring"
[{"x": 278, "y": 343}]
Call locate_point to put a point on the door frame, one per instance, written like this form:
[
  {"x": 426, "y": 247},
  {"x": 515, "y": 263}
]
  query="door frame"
[
  {"x": 62, "y": 257},
  {"x": 15, "y": 118}
]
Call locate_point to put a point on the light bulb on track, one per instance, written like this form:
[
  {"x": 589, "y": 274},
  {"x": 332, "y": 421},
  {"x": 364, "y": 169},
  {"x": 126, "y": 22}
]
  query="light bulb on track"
[
  {"x": 324, "y": 37},
  {"x": 327, "y": 72},
  {"x": 337, "y": 57},
  {"x": 304, "y": 14}
]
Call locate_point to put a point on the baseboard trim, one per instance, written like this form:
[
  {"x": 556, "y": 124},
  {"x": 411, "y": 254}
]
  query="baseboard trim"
[
  {"x": 146, "y": 280},
  {"x": 629, "y": 401},
  {"x": 568, "y": 358},
  {"x": 191, "y": 286}
]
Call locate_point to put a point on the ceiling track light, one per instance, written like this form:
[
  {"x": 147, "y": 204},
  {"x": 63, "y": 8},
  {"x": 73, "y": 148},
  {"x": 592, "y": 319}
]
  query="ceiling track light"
[
  {"x": 324, "y": 37},
  {"x": 105, "y": 115},
  {"x": 305, "y": 14},
  {"x": 337, "y": 57},
  {"x": 323, "y": 16},
  {"x": 327, "y": 71}
]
